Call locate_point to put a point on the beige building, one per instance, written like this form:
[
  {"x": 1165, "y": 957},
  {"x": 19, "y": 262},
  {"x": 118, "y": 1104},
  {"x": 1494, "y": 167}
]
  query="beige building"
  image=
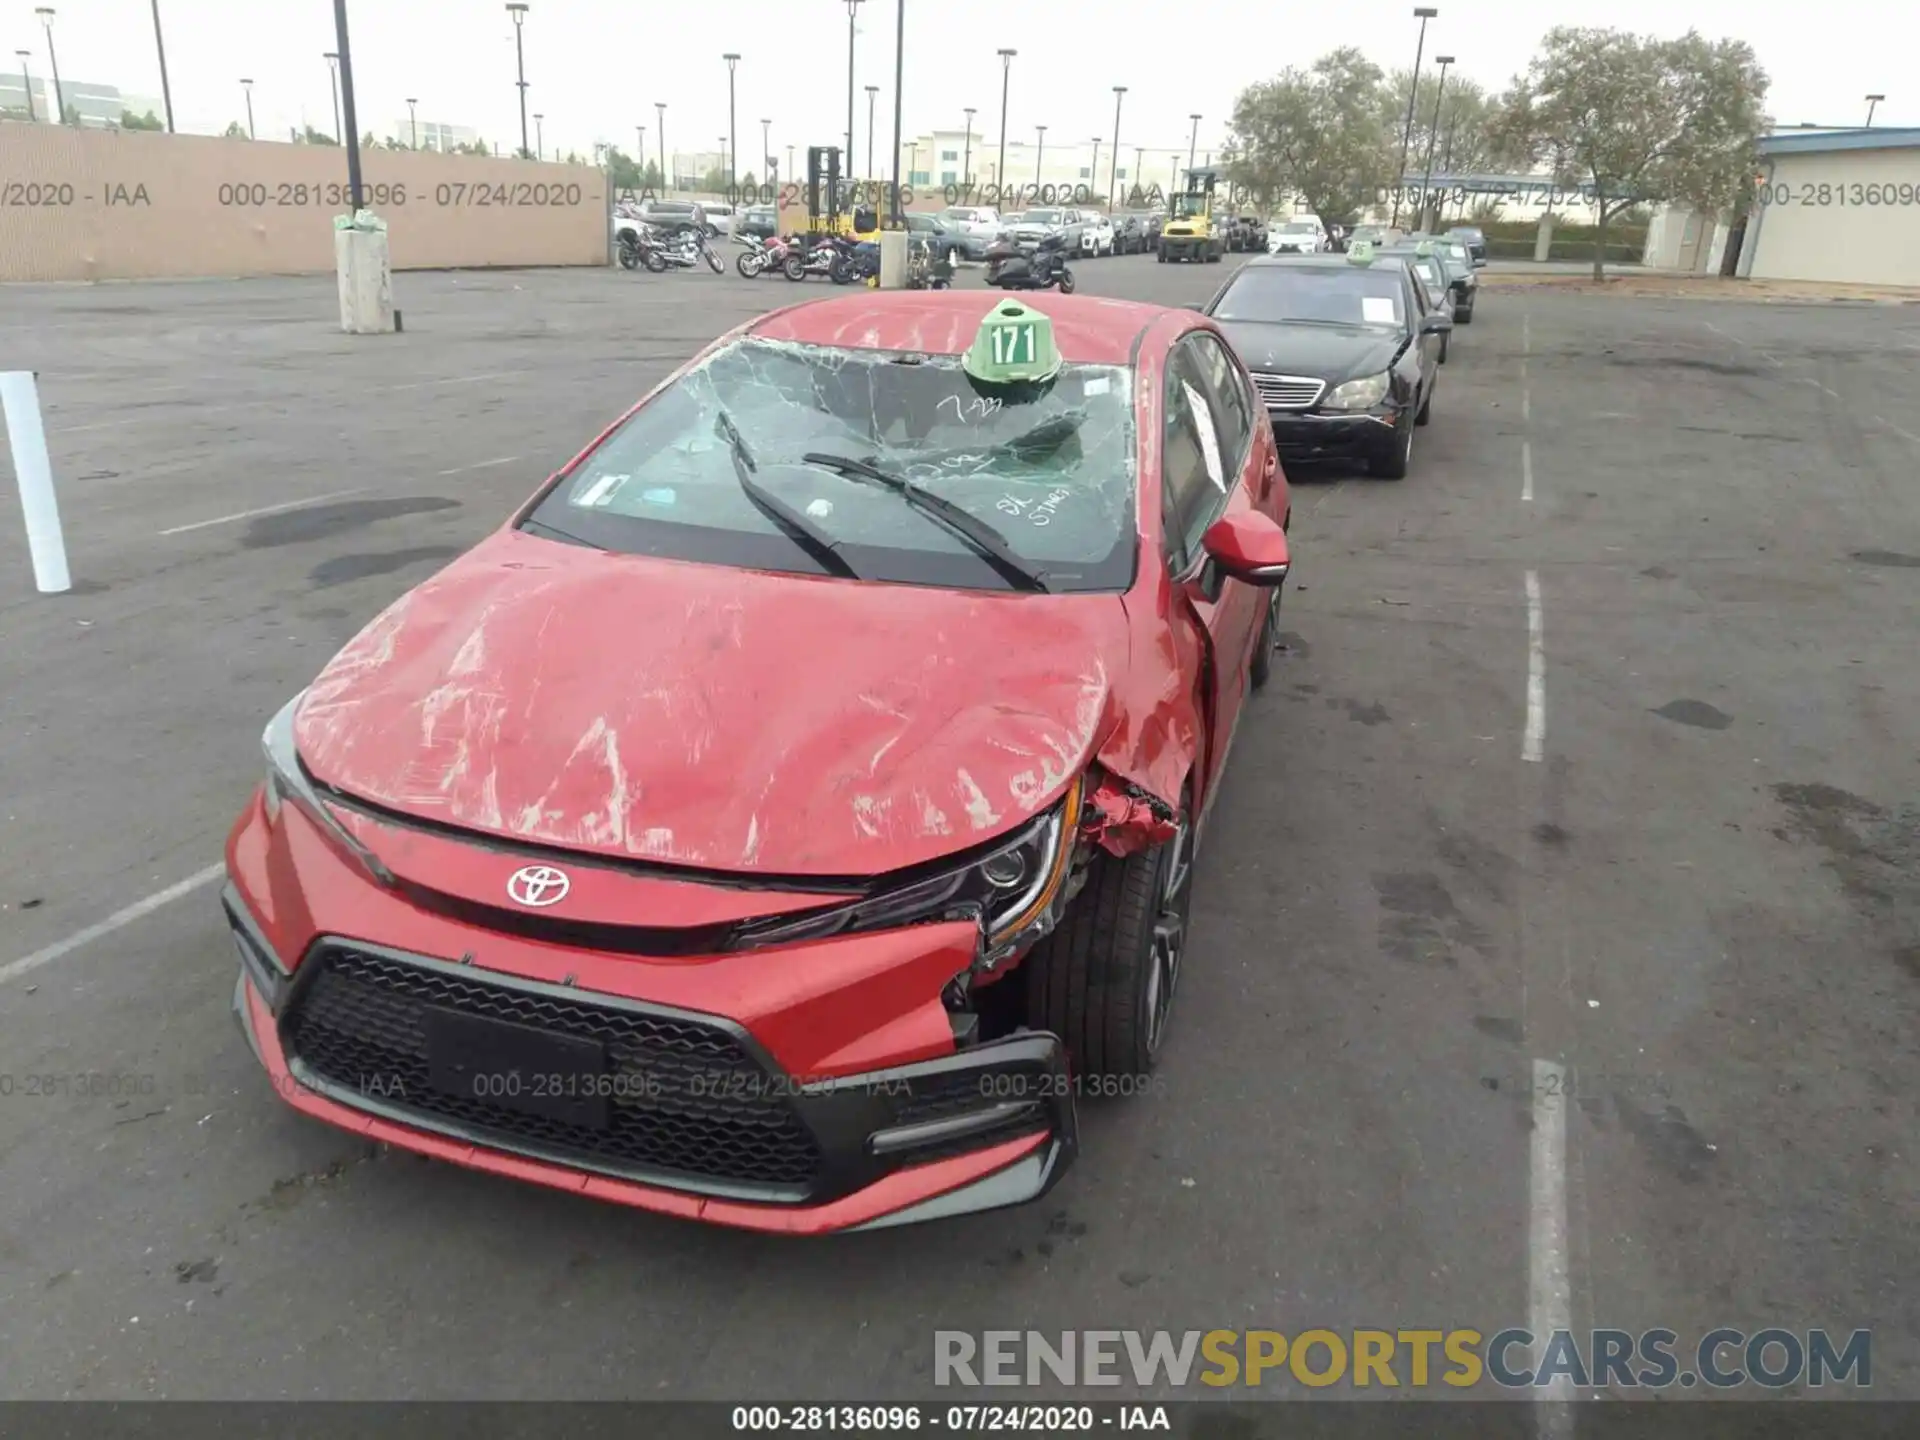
[{"x": 1840, "y": 205}]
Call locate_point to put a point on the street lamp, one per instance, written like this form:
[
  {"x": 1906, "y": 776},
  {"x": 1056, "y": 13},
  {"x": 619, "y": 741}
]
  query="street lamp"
[
  {"x": 966, "y": 158},
  {"x": 356, "y": 192},
  {"x": 332, "y": 57},
  {"x": 733, "y": 147},
  {"x": 1193, "y": 140},
  {"x": 539, "y": 136},
  {"x": 766, "y": 158},
  {"x": 160, "y": 44},
  {"x": 899, "y": 81},
  {"x": 1433, "y": 134},
  {"x": 45, "y": 12},
  {"x": 1873, "y": 102},
  {"x": 1039, "y": 151},
  {"x": 1424, "y": 13},
  {"x": 1093, "y": 171},
  {"x": 1006, "y": 73},
  {"x": 872, "y": 91},
  {"x": 26, "y": 78},
  {"x": 721, "y": 140},
  {"x": 1113, "y": 168},
  {"x": 660, "y": 138},
  {"x": 519, "y": 14},
  {"x": 853, "y": 9},
  {"x": 247, "y": 85}
]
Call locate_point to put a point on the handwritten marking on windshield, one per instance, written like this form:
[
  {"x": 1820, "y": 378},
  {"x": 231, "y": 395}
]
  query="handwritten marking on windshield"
[
  {"x": 978, "y": 408},
  {"x": 1040, "y": 512}
]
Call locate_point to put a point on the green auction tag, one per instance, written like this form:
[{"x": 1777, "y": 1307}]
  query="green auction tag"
[{"x": 1014, "y": 344}]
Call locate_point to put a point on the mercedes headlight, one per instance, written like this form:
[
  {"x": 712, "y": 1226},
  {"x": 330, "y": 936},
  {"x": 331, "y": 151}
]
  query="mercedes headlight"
[
  {"x": 1010, "y": 889},
  {"x": 287, "y": 782},
  {"x": 1361, "y": 394}
]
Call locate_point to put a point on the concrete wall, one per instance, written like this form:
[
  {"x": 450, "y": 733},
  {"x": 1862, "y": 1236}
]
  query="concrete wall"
[
  {"x": 100, "y": 205},
  {"x": 1802, "y": 233}
]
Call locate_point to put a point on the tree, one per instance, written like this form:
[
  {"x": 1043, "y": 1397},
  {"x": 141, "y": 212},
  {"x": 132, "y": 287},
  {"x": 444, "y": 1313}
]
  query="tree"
[
  {"x": 311, "y": 136},
  {"x": 1640, "y": 119},
  {"x": 367, "y": 142},
  {"x": 715, "y": 181},
  {"x": 1318, "y": 131},
  {"x": 1469, "y": 138},
  {"x": 131, "y": 121},
  {"x": 394, "y": 142},
  {"x": 236, "y": 131}
]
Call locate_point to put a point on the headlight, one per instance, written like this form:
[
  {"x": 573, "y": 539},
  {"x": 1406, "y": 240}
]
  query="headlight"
[
  {"x": 287, "y": 781},
  {"x": 1362, "y": 394},
  {"x": 1010, "y": 890}
]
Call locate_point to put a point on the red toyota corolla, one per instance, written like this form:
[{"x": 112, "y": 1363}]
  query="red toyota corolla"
[{"x": 789, "y": 811}]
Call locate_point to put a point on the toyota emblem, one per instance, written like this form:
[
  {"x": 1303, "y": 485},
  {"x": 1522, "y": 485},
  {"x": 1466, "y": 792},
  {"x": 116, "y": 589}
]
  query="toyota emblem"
[{"x": 538, "y": 885}]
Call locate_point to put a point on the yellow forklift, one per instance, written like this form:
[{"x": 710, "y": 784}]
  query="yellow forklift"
[
  {"x": 1190, "y": 233},
  {"x": 830, "y": 210}
]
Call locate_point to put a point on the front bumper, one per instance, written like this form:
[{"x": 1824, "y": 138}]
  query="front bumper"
[
  {"x": 1314, "y": 435},
  {"x": 592, "y": 1072},
  {"x": 1181, "y": 246}
]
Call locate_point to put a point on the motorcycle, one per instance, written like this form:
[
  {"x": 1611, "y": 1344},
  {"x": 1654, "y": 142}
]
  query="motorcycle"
[
  {"x": 1040, "y": 266},
  {"x": 829, "y": 255},
  {"x": 680, "y": 251},
  {"x": 760, "y": 255}
]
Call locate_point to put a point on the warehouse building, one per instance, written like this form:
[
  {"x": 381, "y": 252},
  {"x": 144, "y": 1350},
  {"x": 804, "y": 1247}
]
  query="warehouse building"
[{"x": 1840, "y": 205}]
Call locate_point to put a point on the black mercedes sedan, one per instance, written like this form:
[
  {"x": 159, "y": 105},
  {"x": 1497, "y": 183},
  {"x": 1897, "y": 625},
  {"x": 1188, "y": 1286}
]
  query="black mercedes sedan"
[{"x": 1344, "y": 351}]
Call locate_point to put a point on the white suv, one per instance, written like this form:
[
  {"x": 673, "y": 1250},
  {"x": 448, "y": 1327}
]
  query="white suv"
[
  {"x": 1302, "y": 235},
  {"x": 1097, "y": 236}
]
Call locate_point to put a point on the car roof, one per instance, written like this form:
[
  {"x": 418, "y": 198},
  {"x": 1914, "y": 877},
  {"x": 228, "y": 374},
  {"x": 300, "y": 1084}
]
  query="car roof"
[
  {"x": 1087, "y": 329},
  {"x": 1315, "y": 262}
]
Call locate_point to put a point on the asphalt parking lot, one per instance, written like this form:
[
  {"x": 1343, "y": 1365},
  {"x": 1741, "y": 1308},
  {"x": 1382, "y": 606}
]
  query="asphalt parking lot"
[{"x": 1596, "y": 742}]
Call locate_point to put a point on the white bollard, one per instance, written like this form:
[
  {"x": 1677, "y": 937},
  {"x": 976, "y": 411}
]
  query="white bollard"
[
  {"x": 33, "y": 469},
  {"x": 893, "y": 259}
]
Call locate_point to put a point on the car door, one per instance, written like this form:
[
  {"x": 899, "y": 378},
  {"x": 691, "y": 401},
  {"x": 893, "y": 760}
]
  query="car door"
[
  {"x": 1421, "y": 358},
  {"x": 1206, "y": 452}
]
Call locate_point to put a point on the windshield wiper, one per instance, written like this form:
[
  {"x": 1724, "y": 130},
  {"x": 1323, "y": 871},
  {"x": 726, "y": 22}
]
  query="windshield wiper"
[
  {"x": 791, "y": 523},
  {"x": 986, "y": 541}
]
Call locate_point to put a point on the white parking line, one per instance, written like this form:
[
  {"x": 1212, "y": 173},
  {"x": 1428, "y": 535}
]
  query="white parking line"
[
  {"x": 267, "y": 510},
  {"x": 1903, "y": 434},
  {"x": 1526, "y": 333},
  {"x": 454, "y": 380},
  {"x": 1549, "y": 1291},
  {"x": 1534, "y": 740},
  {"x": 481, "y": 465},
  {"x": 1526, "y": 470},
  {"x": 28, "y": 964}
]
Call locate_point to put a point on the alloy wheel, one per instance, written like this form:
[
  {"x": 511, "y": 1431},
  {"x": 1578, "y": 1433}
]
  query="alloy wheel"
[{"x": 1169, "y": 936}]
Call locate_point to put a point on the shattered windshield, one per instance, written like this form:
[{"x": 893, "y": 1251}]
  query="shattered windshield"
[{"x": 1049, "y": 466}]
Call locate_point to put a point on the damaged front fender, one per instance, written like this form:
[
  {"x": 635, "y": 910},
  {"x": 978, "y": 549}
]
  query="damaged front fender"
[{"x": 1121, "y": 818}]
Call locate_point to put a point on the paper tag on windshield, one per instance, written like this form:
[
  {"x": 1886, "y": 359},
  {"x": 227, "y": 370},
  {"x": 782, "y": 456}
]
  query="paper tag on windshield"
[
  {"x": 1099, "y": 385},
  {"x": 1209, "y": 437},
  {"x": 1376, "y": 310}
]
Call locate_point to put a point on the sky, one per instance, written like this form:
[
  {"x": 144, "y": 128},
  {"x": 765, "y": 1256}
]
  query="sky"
[{"x": 596, "y": 67}]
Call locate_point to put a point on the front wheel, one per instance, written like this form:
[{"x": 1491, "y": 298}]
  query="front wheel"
[
  {"x": 795, "y": 268},
  {"x": 1161, "y": 254},
  {"x": 1066, "y": 282},
  {"x": 629, "y": 254},
  {"x": 1261, "y": 670},
  {"x": 1104, "y": 980},
  {"x": 840, "y": 272},
  {"x": 1394, "y": 464},
  {"x": 750, "y": 263},
  {"x": 714, "y": 262}
]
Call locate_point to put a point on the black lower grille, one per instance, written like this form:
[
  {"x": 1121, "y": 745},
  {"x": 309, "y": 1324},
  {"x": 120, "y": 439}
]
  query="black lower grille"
[{"x": 683, "y": 1098}]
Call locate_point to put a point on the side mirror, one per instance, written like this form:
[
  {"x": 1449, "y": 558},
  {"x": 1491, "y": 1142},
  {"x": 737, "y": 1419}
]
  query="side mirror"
[
  {"x": 1250, "y": 547},
  {"x": 1438, "y": 322}
]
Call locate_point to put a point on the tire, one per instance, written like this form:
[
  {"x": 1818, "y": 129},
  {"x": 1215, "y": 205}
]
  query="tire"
[
  {"x": 1426, "y": 409},
  {"x": 715, "y": 263},
  {"x": 750, "y": 263},
  {"x": 794, "y": 268},
  {"x": 1099, "y": 980},
  {"x": 1066, "y": 281},
  {"x": 1445, "y": 342},
  {"x": 1464, "y": 316},
  {"x": 1395, "y": 464},
  {"x": 1261, "y": 668},
  {"x": 629, "y": 254},
  {"x": 840, "y": 272},
  {"x": 655, "y": 261},
  {"x": 1161, "y": 254}
]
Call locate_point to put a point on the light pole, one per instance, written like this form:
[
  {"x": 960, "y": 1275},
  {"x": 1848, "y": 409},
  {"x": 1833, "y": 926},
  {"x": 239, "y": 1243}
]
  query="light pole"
[
  {"x": 733, "y": 144},
  {"x": 332, "y": 57},
  {"x": 1093, "y": 170},
  {"x": 853, "y": 9},
  {"x": 247, "y": 85},
  {"x": 899, "y": 78},
  {"x": 1193, "y": 140},
  {"x": 351, "y": 136},
  {"x": 539, "y": 136},
  {"x": 721, "y": 140},
  {"x": 660, "y": 137},
  {"x": 45, "y": 12},
  {"x": 766, "y": 153},
  {"x": 1424, "y": 13},
  {"x": 519, "y": 14},
  {"x": 966, "y": 158},
  {"x": 26, "y": 78},
  {"x": 160, "y": 45},
  {"x": 1433, "y": 134},
  {"x": 1113, "y": 168},
  {"x": 872, "y": 92},
  {"x": 413, "y": 123},
  {"x": 1039, "y": 152},
  {"x": 1873, "y": 102},
  {"x": 1006, "y": 74}
]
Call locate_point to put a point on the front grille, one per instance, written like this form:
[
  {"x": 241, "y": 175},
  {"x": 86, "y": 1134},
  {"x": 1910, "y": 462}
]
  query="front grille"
[
  {"x": 1287, "y": 392},
  {"x": 686, "y": 1099}
]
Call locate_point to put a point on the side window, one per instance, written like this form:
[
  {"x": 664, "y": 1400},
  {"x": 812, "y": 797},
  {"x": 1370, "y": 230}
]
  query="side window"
[
  {"x": 1232, "y": 405},
  {"x": 1417, "y": 300},
  {"x": 1193, "y": 472}
]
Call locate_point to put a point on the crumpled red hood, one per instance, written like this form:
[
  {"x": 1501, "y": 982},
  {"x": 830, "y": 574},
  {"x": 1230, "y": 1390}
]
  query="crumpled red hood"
[{"x": 716, "y": 717}]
